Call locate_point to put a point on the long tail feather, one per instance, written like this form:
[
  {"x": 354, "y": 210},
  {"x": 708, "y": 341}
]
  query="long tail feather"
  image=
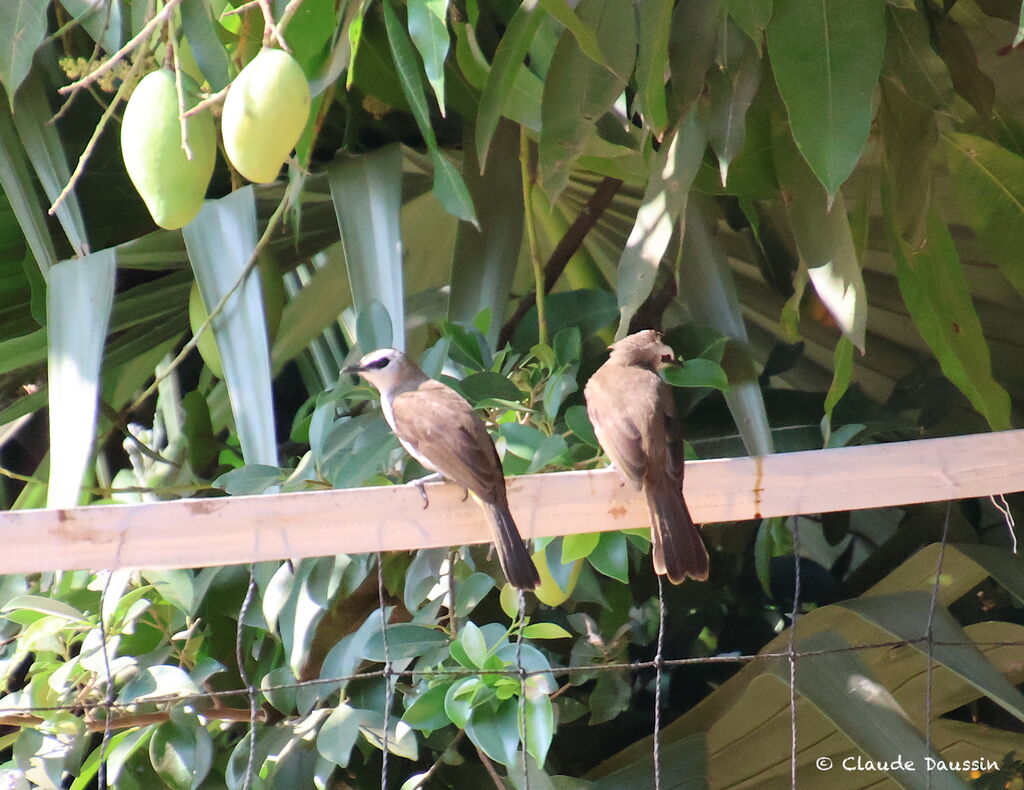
[
  {"x": 678, "y": 549},
  {"x": 512, "y": 554}
]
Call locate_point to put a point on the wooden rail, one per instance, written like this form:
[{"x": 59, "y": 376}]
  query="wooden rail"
[{"x": 200, "y": 532}]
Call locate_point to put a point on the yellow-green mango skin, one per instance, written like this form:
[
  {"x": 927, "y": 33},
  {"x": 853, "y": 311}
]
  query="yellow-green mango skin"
[
  {"x": 172, "y": 185},
  {"x": 265, "y": 111}
]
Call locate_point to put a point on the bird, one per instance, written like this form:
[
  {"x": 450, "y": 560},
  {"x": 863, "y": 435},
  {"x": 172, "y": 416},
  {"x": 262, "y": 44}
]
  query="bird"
[
  {"x": 439, "y": 428},
  {"x": 634, "y": 418}
]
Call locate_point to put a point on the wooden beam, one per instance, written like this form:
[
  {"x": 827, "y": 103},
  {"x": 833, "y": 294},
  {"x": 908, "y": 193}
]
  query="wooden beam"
[{"x": 199, "y": 532}]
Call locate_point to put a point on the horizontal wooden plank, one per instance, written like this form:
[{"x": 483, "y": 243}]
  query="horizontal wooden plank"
[{"x": 200, "y": 532}]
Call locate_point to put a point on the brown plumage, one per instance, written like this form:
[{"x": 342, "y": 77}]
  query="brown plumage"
[
  {"x": 635, "y": 420},
  {"x": 441, "y": 431}
]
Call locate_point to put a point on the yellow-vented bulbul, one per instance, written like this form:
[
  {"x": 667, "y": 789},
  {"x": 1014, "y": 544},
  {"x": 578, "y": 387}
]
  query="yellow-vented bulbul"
[
  {"x": 635, "y": 420},
  {"x": 440, "y": 430}
]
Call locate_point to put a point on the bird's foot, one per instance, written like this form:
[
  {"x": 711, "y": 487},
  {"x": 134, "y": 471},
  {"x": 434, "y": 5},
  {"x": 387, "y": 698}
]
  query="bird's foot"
[{"x": 419, "y": 482}]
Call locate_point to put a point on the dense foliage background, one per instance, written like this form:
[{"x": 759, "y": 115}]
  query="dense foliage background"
[{"x": 821, "y": 204}]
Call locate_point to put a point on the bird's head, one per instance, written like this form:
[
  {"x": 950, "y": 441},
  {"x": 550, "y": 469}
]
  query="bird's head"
[
  {"x": 388, "y": 369},
  {"x": 645, "y": 348}
]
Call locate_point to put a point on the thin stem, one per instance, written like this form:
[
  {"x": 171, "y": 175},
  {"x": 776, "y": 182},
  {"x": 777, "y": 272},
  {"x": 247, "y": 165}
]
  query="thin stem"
[{"x": 528, "y": 177}]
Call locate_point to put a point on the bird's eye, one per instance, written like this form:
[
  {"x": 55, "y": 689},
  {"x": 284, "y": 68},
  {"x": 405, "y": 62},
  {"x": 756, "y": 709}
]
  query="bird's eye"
[
  {"x": 379, "y": 363},
  {"x": 667, "y": 358}
]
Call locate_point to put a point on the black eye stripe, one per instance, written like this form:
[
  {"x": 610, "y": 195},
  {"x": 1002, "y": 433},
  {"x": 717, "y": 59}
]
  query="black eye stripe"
[{"x": 377, "y": 364}]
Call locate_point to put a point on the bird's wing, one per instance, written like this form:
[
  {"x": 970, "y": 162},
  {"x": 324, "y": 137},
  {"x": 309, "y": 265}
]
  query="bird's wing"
[
  {"x": 610, "y": 393},
  {"x": 444, "y": 429}
]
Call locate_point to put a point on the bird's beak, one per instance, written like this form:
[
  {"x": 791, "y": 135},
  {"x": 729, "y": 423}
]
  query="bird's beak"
[{"x": 353, "y": 370}]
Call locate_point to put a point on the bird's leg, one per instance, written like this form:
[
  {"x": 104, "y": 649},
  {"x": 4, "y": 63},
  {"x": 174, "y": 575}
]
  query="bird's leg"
[
  {"x": 465, "y": 494},
  {"x": 418, "y": 482}
]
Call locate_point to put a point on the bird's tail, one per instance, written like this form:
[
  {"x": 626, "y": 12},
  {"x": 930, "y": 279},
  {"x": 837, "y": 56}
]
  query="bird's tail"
[
  {"x": 678, "y": 549},
  {"x": 512, "y": 554}
]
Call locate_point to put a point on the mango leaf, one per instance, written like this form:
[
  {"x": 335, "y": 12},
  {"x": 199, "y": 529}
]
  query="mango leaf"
[
  {"x": 824, "y": 241},
  {"x": 22, "y": 30},
  {"x": 988, "y": 182},
  {"x": 429, "y": 30},
  {"x": 221, "y": 242},
  {"x": 752, "y": 16},
  {"x": 673, "y": 171},
  {"x": 732, "y": 87},
  {"x": 448, "y": 184},
  {"x": 577, "y": 92},
  {"x": 911, "y": 64},
  {"x": 485, "y": 257},
  {"x": 78, "y": 303},
  {"x": 937, "y": 295},
  {"x": 698, "y": 373},
  {"x": 201, "y": 31},
  {"x": 582, "y": 32},
  {"x": 508, "y": 62},
  {"x": 655, "y": 24},
  {"x": 101, "y": 20},
  {"x": 367, "y": 195},
  {"x": 691, "y": 49},
  {"x": 827, "y": 55}
]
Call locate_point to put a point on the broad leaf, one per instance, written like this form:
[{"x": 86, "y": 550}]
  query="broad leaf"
[{"x": 22, "y": 30}]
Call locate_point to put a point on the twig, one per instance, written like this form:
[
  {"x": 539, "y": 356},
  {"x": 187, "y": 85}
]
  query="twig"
[
  {"x": 100, "y": 125},
  {"x": 489, "y": 766},
  {"x": 288, "y": 13},
  {"x": 179, "y": 88},
  {"x": 117, "y": 57},
  {"x": 242, "y": 8},
  {"x": 209, "y": 101},
  {"x": 270, "y": 28},
  {"x": 565, "y": 249},
  {"x": 131, "y": 720},
  {"x": 528, "y": 179}
]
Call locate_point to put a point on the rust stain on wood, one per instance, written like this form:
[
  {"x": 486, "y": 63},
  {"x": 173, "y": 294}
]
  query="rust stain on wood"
[{"x": 758, "y": 484}]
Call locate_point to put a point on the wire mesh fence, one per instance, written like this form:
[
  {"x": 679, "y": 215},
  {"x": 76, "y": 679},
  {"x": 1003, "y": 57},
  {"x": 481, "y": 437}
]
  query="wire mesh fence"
[{"x": 791, "y": 654}]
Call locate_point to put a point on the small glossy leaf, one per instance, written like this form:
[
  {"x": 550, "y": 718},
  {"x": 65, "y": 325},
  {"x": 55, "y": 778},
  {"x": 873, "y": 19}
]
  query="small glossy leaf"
[
  {"x": 575, "y": 547},
  {"x": 545, "y": 631},
  {"x": 496, "y": 731},
  {"x": 429, "y": 30},
  {"x": 338, "y": 734},
  {"x": 698, "y": 373},
  {"x": 578, "y": 421},
  {"x": 655, "y": 24},
  {"x": 181, "y": 751},
  {"x": 472, "y": 641},
  {"x": 481, "y": 386},
  {"x": 691, "y": 49},
  {"x": 404, "y": 640},
  {"x": 610, "y": 556},
  {"x": 540, "y": 725},
  {"x": 427, "y": 711},
  {"x": 827, "y": 55}
]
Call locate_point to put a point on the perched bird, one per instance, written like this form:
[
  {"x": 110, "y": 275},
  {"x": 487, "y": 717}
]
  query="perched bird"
[
  {"x": 635, "y": 420},
  {"x": 440, "y": 430}
]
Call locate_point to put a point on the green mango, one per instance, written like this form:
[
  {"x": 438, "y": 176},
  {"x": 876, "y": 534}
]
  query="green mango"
[
  {"x": 265, "y": 111},
  {"x": 172, "y": 185}
]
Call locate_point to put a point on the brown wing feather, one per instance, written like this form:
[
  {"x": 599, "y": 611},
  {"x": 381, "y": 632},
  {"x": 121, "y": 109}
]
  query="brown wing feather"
[
  {"x": 443, "y": 428},
  {"x": 610, "y": 394}
]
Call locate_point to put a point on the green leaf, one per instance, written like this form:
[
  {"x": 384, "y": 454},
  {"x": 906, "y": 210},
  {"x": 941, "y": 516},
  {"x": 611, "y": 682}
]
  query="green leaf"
[
  {"x": 485, "y": 258},
  {"x": 582, "y": 32},
  {"x": 698, "y": 373},
  {"x": 460, "y": 698},
  {"x": 429, "y": 30},
  {"x": 545, "y": 631},
  {"x": 988, "y": 182},
  {"x": 673, "y": 171},
  {"x": 22, "y": 30},
  {"x": 610, "y": 556},
  {"x": 911, "y": 63},
  {"x": 78, "y": 304},
  {"x": 482, "y": 386},
  {"x": 575, "y": 547},
  {"x": 540, "y": 722},
  {"x": 842, "y": 367},
  {"x": 102, "y": 21},
  {"x": 590, "y": 310},
  {"x": 47, "y": 606},
  {"x": 824, "y": 241},
  {"x": 936, "y": 293},
  {"x": 692, "y": 44},
  {"x": 752, "y": 16},
  {"x": 338, "y": 734},
  {"x": 221, "y": 242},
  {"x": 472, "y": 641},
  {"x": 404, "y": 640},
  {"x": 449, "y": 187},
  {"x": 427, "y": 713},
  {"x": 367, "y": 195},
  {"x": 827, "y": 55},
  {"x": 508, "y": 62},
  {"x": 181, "y": 751},
  {"x": 577, "y": 92},
  {"x": 201, "y": 31},
  {"x": 732, "y": 88},
  {"x": 578, "y": 421},
  {"x": 158, "y": 681},
  {"x": 496, "y": 731},
  {"x": 655, "y": 23}
]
